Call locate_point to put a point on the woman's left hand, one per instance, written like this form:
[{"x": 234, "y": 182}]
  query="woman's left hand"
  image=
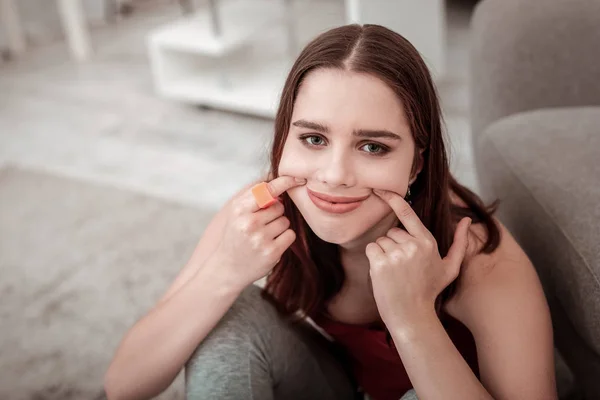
[{"x": 406, "y": 269}]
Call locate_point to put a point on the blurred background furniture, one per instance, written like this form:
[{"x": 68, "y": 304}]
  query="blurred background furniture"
[
  {"x": 73, "y": 21},
  {"x": 535, "y": 87},
  {"x": 235, "y": 54},
  {"x": 21, "y": 25}
]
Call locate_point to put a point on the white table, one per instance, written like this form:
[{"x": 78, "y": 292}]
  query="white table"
[{"x": 73, "y": 21}]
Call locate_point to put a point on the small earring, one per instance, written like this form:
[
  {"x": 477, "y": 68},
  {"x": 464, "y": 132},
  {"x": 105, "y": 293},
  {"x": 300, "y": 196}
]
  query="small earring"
[{"x": 407, "y": 197}]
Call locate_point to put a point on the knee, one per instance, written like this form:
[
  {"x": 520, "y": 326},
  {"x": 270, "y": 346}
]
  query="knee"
[
  {"x": 237, "y": 332},
  {"x": 222, "y": 359},
  {"x": 250, "y": 313}
]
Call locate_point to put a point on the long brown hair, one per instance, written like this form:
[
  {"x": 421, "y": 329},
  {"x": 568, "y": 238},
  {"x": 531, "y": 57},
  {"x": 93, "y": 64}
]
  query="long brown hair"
[{"x": 310, "y": 272}]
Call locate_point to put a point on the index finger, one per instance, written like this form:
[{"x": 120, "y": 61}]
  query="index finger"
[
  {"x": 276, "y": 187},
  {"x": 405, "y": 213}
]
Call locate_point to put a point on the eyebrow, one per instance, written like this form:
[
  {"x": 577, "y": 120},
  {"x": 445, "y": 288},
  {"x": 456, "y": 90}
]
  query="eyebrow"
[{"x": 364, "y": 133}]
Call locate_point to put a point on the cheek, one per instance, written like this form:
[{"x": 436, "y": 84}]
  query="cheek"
[
  {"x": 294, "y": 163},
  {"x": 392, "y": 183},
  {"x": 393, "y": 176}
]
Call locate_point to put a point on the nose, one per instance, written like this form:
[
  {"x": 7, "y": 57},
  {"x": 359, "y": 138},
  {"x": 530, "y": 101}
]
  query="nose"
[{"x": 335, "y": 170}]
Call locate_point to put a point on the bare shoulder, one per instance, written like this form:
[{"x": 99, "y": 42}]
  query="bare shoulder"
[
  {"x": 477, "y": 264},
  {"x": 483, "y": 274}
]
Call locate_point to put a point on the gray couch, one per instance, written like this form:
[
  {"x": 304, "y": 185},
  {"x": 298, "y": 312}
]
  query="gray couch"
[{"x": 535, "y": 93}]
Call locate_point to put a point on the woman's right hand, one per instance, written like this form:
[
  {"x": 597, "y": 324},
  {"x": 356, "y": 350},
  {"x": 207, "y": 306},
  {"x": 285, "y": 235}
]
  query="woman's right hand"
[
  {"x": 254, "y": 239},
  {"x": 241, "y": 244}
]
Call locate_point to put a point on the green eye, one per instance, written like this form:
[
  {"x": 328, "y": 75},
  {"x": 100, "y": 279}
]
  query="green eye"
[
  {"x": 314, "y": 140},
  {"x": 373, "y": 148}
]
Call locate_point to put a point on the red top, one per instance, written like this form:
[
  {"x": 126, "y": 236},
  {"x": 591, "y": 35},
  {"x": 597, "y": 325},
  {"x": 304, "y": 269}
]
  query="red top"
[{"x": 378, "y": 367}]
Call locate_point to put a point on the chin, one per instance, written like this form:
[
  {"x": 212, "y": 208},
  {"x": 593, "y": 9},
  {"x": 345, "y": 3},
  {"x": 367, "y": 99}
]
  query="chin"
[{"x": 336, "y": 236}]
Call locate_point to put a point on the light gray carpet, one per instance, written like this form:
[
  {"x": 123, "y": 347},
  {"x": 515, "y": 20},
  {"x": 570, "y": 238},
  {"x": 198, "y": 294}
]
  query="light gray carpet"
[{"x": 79, "y": 265}]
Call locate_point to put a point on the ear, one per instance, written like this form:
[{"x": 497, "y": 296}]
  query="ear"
[{"x": 418, "y": 167}]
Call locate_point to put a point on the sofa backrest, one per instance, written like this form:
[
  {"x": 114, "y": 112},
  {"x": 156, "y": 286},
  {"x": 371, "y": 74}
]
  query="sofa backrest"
[{"x": 527, "y": 55}]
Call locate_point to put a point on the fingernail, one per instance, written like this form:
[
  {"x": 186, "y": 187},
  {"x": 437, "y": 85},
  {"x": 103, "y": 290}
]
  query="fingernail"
[
  {"x": 300, "y": 180},
  {"x": 377, "y": 192}
]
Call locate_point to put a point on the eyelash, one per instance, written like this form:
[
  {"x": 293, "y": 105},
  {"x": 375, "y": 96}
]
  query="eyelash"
[{"x": 383, "y": 149}]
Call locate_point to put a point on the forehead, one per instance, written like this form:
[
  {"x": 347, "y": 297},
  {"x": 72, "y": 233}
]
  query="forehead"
[{"x": 349, "y": 100}]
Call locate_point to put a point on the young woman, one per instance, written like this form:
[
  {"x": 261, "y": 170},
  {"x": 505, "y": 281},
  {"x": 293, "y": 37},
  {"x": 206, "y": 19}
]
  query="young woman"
[{"x": 371, "y": 240}]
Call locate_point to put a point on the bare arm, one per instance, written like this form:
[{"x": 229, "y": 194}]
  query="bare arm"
[
  {"x": 206, "y": 246},
  {"x": 507, "y": 312},
  {"x": 197, "y": 291},
  {"x": 241, "y": 245},
  {"x": 434, "y": 365}
]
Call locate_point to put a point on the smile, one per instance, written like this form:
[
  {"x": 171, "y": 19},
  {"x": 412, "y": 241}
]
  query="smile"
[{"x": 335, "y": 204}]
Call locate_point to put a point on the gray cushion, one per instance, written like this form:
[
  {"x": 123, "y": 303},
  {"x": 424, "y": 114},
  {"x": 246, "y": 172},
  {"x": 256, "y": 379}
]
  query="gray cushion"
[
  {"x": 544, "y": 165},
  {"x": 529, "y": 54}
]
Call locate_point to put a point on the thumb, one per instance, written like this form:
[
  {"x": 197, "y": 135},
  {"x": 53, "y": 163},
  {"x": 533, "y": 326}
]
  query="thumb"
[
  {"x": 457, "y": 251},
  {"x": 283, "y": 183}
]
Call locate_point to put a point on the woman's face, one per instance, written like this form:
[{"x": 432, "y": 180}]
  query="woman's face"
[{"x": 348, "y": 136}]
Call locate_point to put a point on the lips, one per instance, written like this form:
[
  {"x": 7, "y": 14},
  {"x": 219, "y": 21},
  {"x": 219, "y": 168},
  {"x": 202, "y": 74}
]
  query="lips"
[
  {"x": 335, "y": 204},
  {"x": 336, "y": 199}
]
